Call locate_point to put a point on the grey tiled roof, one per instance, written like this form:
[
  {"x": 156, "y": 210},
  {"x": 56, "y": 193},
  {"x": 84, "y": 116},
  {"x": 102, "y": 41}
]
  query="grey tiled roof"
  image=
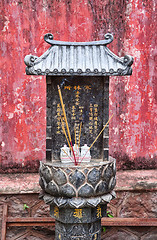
[{"x": 78, "y": 58}]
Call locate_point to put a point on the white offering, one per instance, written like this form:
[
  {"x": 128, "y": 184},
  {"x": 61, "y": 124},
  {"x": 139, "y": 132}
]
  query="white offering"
[
  {"x": 65, "y": 154},
  {"x": 85, "y": 153}
]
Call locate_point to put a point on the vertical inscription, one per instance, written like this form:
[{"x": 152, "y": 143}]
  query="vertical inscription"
[
  {"x": 58, "y": 131},
  {"x": 81, "y": 113},
  {"x": 73, "y": 111},
  {"x": 77, "y": 95},
  {"x": 78, "y": 109},
  {"x": 77, "y": 130},
  {"x": 95, "y": 118},
  {"x": 91, "y": 115}
]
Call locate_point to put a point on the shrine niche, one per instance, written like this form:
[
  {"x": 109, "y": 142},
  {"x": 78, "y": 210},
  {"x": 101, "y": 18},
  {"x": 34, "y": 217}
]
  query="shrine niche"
[{"x": 79, "y": 176}]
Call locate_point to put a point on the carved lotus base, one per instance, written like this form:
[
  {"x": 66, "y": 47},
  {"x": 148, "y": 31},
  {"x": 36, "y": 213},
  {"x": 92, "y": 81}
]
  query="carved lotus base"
[
  {"x": 78, "y": 197},
  {"x": 85, "y": 181},
  {"x": 62, "y": 202}
]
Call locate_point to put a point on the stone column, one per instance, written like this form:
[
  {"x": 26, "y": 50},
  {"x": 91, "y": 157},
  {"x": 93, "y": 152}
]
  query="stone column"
[{"x": 78, "y": 223}]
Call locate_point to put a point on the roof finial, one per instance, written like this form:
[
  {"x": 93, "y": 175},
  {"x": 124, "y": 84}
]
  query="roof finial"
[
  {"x": 47, "y": 37},
  {"x": 109, "y": 36}
]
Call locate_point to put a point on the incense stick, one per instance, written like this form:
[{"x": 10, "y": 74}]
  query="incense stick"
[
  {"x": 65, "y": 133},
  {"x": 96, "y": 138},
  {"x": 66, "y": 122},
  {"x": 66, "y": 138}
]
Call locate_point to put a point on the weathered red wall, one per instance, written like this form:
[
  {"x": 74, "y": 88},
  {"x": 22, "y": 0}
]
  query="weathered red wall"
[{"x": 133, "y": 100}]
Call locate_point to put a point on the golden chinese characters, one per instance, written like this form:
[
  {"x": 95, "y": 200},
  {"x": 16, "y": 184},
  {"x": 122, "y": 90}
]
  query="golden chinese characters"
[
  {"x": 98, "y": 211},
  {"x": 56, "y": 212},
  {"x": 58, "y": 119},
  {"x": 78, "y": 213}
]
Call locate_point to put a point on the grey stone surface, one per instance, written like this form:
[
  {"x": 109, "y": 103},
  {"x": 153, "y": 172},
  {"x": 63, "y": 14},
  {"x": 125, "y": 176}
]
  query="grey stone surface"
[
  {"x": 78, "y": 195},
  {"x": 77, "y": 178},
  {"x": 67, "y": 191},
  {"x": 52, "y": 188},
  {"x": 91, "y": 231},
  {"x": 42, "y": 183},
  {"x": 107, "y": 173},
  {"x": 79, "y": 215},
  {"x": 86, "y": 191},
  {"x": 80, "y": 223},
  {"x": 112, "y": 183},
  {"x": 59, "y": 177},
  {"x": 93, "y": 177},
  {"x": 45, "y": 171},
  {"x": 85, "y": 171},
  {"x": 101, "y": 188},
  {"x": 68, "y": 171},
  {"x": 77, "y": 202}
]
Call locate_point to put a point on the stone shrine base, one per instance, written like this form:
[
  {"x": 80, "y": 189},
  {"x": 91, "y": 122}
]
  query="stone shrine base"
[
  {"x": 78, "y": 224},
  {"x": 86, "y": 231}
]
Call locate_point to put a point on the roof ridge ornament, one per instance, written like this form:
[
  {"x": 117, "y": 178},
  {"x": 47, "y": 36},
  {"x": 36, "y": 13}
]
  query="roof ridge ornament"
[{"x": 49, "y": 39}]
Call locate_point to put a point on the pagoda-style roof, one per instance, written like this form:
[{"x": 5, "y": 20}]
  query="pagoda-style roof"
[{"x": 78, "y": 58}]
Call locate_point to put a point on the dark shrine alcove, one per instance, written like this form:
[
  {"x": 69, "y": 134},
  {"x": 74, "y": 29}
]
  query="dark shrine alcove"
[{"x": 86, "y": 101}]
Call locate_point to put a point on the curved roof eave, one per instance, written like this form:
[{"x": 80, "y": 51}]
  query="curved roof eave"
[{"x": 78, "y": 58}]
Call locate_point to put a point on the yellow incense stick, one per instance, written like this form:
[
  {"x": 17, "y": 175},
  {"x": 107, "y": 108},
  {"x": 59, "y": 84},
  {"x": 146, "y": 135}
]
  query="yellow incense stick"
[
  {"x": 97, "y": 137},
  {"x": 65, "y": 117},
  {"x": 66, "y": 122},
  {"x": 66, "y": 138},
  {"x": 101, "y": 132},
  {"x": 65, "y": 133}
]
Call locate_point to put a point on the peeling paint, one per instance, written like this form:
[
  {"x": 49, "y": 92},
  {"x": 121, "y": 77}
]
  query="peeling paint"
[{"x": 133, "y": 100}]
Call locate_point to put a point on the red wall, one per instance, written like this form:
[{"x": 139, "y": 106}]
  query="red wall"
[{"x": 133, "y": 100}]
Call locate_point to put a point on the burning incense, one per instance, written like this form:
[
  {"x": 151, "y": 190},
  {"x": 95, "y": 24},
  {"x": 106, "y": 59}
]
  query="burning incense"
[
  {"x": 97, "y": 137},
  {"x": 66, "y": 122}
]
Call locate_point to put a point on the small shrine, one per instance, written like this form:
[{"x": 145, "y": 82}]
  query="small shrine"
[{"x": 79, "y": 176}]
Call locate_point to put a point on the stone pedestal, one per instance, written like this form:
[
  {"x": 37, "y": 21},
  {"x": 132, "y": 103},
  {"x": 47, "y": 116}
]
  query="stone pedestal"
[
  {"x": 88, "y": 231},
  {"x": 78, "y": 197},
  {"x": 78, "y": 223}
]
